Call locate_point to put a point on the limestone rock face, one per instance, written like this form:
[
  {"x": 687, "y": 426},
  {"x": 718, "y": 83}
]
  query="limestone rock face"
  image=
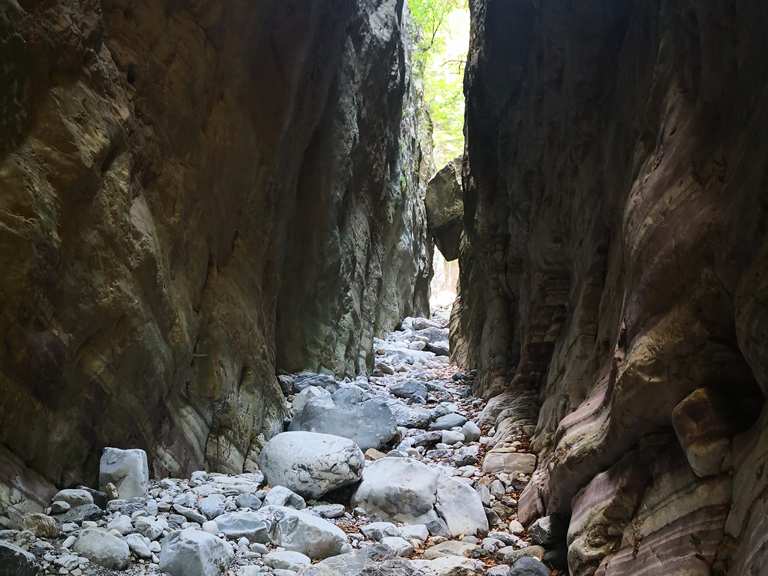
[
  {"x": 195, "y": 195},
  {"x": 445, "y": 209},
  {"x": 613, "y": 288}
]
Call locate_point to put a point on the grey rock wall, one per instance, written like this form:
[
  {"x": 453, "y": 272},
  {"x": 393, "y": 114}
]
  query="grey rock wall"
[
  {"x": 195, "y": 195},
  {"x": 358, "y": 257}
]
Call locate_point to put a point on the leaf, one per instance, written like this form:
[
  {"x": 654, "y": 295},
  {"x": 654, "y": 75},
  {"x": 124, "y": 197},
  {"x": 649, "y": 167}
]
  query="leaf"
[{"x": 442, "y": 37}]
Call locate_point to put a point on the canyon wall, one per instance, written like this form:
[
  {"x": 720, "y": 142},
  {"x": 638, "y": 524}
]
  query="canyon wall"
[
  {"x": 614, "y": 284},
  {"x": 195, "y": 195}
]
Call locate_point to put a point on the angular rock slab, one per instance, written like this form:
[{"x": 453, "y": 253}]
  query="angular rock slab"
[
  {"x": 126, "y": 469},
  {"x": 310, "y": 393},
  {"x": 445, "y": 209},
  {"x": 459, "y": 505},
  {"x": 286, "y": 560},
  {"x": 409, "y": 416},
  {"x": 410, "y": 389},
  {"x": 247, "y": 483},
  {"x": 369, "y": 424},
  {"x": 471, "y": 431},
  {"x": 509, "y": 462},
  {"x": 282, "y": 496},
  {"x": 449, "y": 548},
  {"x": 103, "y": 548},
  {"x": 193, "y": 552},
  {"x": 139, "y": 545},
  {"x": 302, "y": 531},
  {"x": 212, "y": 506},
  {"x": 294, "y": 530},
  {"x": 367, "y": 562},
  {"x": 254, "y": 526},
  {"x": 405, "y": 490},
  {"x": 378, "y": 530},
  {"x": 448, "y": 421},
  {"x": 311, "y": 463},
  {"x": 74, "y": 497},
  {"x": 81, "y": 513},
  {"x": 304, "y": 380},
  {"x": 399, "y": 489}
]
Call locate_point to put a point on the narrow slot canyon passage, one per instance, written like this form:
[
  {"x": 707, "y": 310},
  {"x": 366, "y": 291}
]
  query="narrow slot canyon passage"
[{"x": 383, "y": 288}]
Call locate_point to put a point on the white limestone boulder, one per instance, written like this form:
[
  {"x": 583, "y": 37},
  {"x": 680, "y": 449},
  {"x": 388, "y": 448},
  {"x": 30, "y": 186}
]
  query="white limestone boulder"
[{"x": 310, "y": 463}]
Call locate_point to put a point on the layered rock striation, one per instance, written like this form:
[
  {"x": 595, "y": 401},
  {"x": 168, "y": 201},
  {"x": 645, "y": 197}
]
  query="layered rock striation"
[
  {"x": 195, "y": 195},
  {"x": 613, "y": 287}
]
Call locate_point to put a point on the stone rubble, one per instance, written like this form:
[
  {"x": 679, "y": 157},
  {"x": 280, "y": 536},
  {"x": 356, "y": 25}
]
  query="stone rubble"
[{"x": 434, "y": 495}]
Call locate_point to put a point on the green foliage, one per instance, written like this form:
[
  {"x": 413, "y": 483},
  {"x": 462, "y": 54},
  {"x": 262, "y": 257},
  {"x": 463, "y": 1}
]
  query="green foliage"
[
  {"x": 430, "y": 16},
  {"x": 442, "y": 32}
]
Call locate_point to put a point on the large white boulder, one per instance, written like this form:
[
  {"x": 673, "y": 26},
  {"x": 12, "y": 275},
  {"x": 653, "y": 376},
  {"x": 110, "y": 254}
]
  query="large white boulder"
[
  {"x": 286, "y": 560},
  {"x": 378, "y": 560},
  {"x": 282, "y": 496},
  {"x": 311, "y": 463},
  {"x": 310, "y": 393},
  {"x": 74, "y": 497},
  {"x": 193, "y": 552},
  {"x": 460, "y": 506},
  {"x": 295, "y": 530},
  {"x": 254, "y": 526},
  {"x": 405, "y": 490},
  {"x": 409, "y": 416},
  {"x": 410, "y": 389},
  {"x": 151, "y": 527},
  {"x": 399, "y": 489},
  {"x": 448, "y": 421},
  {"x": 103, "y": 548},
  {"x": 246, "y": 483},
  {"x": 126, "y": 469},
  {"x": 370, "y": 423},
  {"x": 302, "y": 531}
]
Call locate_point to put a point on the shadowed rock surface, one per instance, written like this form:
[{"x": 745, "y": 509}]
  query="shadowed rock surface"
[
  {"x": 613, "y": 271},
  {"x": 195, "y": 195},
  {"x": 445, "y": 209}
]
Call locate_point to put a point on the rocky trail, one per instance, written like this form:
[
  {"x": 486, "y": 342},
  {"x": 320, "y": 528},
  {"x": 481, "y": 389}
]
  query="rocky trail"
[{"x": 400, "y": 473}]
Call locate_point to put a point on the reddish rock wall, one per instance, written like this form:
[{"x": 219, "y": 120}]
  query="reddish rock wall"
[{"x": 614, "y": 265}]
